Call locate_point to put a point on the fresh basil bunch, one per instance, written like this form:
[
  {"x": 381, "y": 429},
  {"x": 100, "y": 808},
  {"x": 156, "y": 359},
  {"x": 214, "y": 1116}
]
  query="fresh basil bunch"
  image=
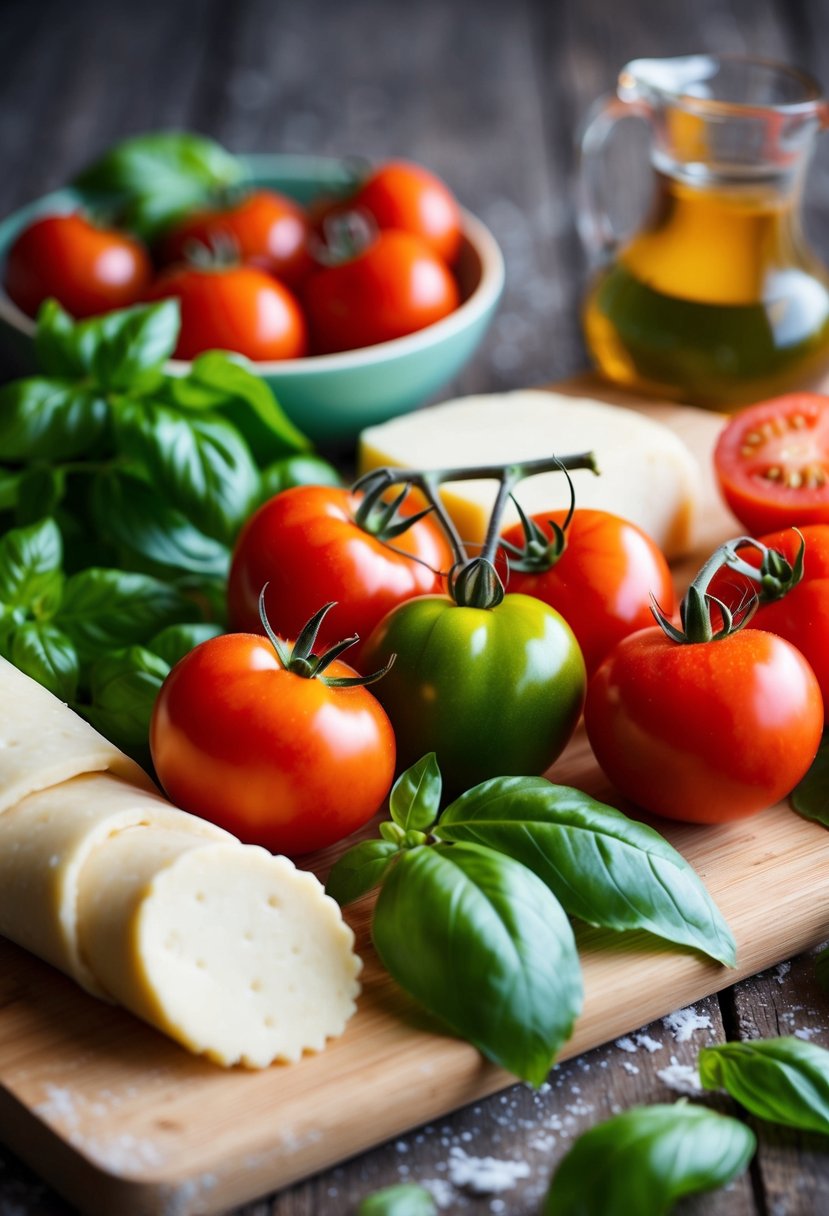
[{"x": 472, "y": 916}]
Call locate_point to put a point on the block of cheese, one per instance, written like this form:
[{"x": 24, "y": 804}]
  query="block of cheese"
[
  {"x": 231, "y": 951},
  {"x": 647, "y": 473},
  {"x": 45, "y": 840},
  {"x": 42, "y": 742}
]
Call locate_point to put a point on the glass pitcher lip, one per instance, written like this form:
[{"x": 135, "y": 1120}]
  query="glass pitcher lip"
[{"x": 632, "y": 84}]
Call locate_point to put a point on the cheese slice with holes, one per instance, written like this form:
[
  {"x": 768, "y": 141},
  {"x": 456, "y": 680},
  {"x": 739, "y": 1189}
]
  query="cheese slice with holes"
[
  {"x": 45, "y": 840},
  {"x": 647, "y": 474},
  {"x": 234, "y": 953},
  {"x": 42, "y": 742}
]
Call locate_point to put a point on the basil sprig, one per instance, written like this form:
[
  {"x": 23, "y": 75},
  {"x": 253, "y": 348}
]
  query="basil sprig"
[
  {"x": 472, "y": 916},
  {"x": 646, "y": 1159},
  {"x": 811, "y": 797},
  {"x": 783, "y": 1080}
]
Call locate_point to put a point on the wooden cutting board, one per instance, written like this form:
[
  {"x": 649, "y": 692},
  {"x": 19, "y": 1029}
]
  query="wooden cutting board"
[{"x": 120, "y": 1120}]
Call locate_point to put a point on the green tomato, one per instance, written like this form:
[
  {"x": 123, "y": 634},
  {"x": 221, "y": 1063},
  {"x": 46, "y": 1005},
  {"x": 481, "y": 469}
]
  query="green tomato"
[
  {"x": 304, "y": 469},
  {"x": 493, "y": 691}
]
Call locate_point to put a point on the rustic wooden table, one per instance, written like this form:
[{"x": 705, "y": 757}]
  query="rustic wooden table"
[{"x": 489, "y": 94}]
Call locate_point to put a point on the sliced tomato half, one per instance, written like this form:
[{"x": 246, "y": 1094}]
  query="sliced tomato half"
[{"x": 772, "y": 463}]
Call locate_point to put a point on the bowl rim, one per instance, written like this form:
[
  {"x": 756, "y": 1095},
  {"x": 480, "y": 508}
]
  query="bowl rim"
[{"x": 475, "y": 306}]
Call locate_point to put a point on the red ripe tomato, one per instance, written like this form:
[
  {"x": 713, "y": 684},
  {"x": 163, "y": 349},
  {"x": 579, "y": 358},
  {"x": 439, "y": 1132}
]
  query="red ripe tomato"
[
  {"x": 236, "y": 308},
  {"x": 772, "y": 463},
  {"x": 279, "y": 759},
  {"x": 394, "y": 287},
  {"x": 603, "y": 581},
  {"x": 265, "y": 228},
  {"x": 801, "y": 616},
  {"x": 87, "y": 269},
  {"x": 402, "y": 195},
  {"x": 305, "y": 545},
  {"x": 707, "y": 731}
]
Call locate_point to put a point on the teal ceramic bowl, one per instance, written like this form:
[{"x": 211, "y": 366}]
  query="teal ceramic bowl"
[{"x": 329, "y": 397}]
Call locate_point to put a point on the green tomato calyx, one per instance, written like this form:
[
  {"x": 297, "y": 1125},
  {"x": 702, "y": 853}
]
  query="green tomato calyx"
[
  {"x": 379, "y": 516},
  {"x": 776, "y": 576},
  {"x": 476, "y": 584},
  {"x": 539, "y": 552},
  {"x": 697, "y": 603},
  {"x": 300, "y": 658}
]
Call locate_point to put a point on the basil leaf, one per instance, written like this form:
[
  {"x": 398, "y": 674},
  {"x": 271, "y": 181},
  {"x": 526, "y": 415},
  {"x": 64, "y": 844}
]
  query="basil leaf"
[
  {"x": 606, "y": 869},
  {"x": 161, "y": 176},
  {"x": 49, "y": 419},
  {"x": 783, "y": 1080},
  {"x": 124, "y": 687},
  {"x": 129, "y": 513},
  {"x": 247, "y": 401},
  {"x": 174, "y": 642},
  {"x": 40, "y": 490},
  {"x": 296, "y": 471},
  {"x": 9, "y": 488},
  {"x": 415, "y": 797},
  {"x": 56, "y": 344},
  {"x": 30, "y": 573},
  {"x": 645, "y": 1159},
  {"x": 404, "y": 1200},
  {"x": 199, "y": 463},
  {"x": 481, "y": 942},
  {"x": 127, "y": 348},
  {"x": 811, "y": 797},
  {"x": 108, "y": 609},
  {"x": 43, "y": 652},
  {"x": 822, "y": 969},
  {"x": 360, "y": 869}
]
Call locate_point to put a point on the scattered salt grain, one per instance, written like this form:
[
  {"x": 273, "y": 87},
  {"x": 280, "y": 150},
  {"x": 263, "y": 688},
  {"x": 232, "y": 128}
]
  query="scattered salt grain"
[
  {"x": 484, "y": 1175},
  {"x": 683, "y": 1022},
  {"x": 631, "y": 1068},
  {"x": 680, "y": 1077},
  {"x": 781, "y": 971},
  {"x": 807, "y": 1032},
  {"x": 626, "y": 1044},
  {"x": 441, "y": 1191},
  {"x": 649, "y": 1044}
]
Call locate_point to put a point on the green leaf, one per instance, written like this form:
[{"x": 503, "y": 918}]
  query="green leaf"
[
  {"x": 124, "y": 687},
  {"x": 9, "y": 489},
  {"x": 404, "y": 1200},
  {"x": 245, "y": 399},
  {"x": 360, "y": 869},
  {"x": 30, "y": 573},
  {"x": 783, "y": 1080},
  {"x": 642, "y": 1161},
  {"x": 174, "y": 642},
  {"x": 296, "y": 471},
  {"x": 56, "y": 343},
  {"x": 822, "y": 969},
  {"x": 108, "y": 609},
  {"x": 130, "y": 514},
  {"x": 811, "y": 797},
  {"x": 199, "y": 463},
  {"x": 126, "y": 349},
  {"x": 49, "y": 419},
  {"x": 40, "y": 490},
  {"x": 606, "y": 869},
  {"x": 46, "y": 654},
  {"x": 161, "y": 176},
  {"x": 479, "y": 941},
  {"x": 415, "y": 798}
]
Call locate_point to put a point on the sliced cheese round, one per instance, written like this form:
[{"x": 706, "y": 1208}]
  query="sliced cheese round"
[
  {"x": 42, "y": 742},
  {"x": 234, "y": 953},
  {"x": 647, "y": 474},
  {"x": 45, "y": 840}
]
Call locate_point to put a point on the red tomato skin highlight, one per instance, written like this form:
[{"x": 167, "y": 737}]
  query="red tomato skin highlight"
[
  {"x": 395, "y": 287},
  {"x": 704, "y": 732},
  {"x": 277, "y": 759},
  {"x": 236, "y": 308},
  {"x": 305, "y": 545},
  {"x": 762, "y": 504},
  {"x": 87, "y": 269},
  {"x": 603, "y": 581},
  {"x": 400, "y": 194}
]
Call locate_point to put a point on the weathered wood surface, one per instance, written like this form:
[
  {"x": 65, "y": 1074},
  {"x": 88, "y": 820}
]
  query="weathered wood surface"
[{"x": 489, "y": 94}]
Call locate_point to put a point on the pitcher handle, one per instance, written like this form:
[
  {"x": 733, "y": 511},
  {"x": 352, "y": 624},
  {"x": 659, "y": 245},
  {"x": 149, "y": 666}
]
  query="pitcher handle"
[{"x": 596, "y": 230}]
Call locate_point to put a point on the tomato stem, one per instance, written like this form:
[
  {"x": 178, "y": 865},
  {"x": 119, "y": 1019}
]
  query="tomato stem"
[{"x": 695, "y": 609}]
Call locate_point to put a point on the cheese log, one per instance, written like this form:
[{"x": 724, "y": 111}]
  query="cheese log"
[
  {"x": 44, "y": 842},
  {"x": 234, "y": 953},
  {"x": 647, "y": 474},
  {"x": 42, "y": 742}
]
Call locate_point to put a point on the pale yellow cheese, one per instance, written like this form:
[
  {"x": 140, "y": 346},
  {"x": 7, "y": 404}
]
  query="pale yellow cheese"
[
  {"x": 45, "y": 840},
  {"x": 231, "y": 951},
  {"x": 42, "y": 742},
  {"x": 647, "y": 473}
]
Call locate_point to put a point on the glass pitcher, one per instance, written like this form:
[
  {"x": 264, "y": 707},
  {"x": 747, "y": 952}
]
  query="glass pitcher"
[{"x": 717, "y": 300}]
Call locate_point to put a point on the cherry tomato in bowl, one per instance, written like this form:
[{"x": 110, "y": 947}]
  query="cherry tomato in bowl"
[
  {"x": 280, "y": 759},
  {"x": 235, "y": 308},
  {"x": 772, "y": 462},
  {"x": 399, "y": 194},
  {"x": 88, "y": 269}
]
